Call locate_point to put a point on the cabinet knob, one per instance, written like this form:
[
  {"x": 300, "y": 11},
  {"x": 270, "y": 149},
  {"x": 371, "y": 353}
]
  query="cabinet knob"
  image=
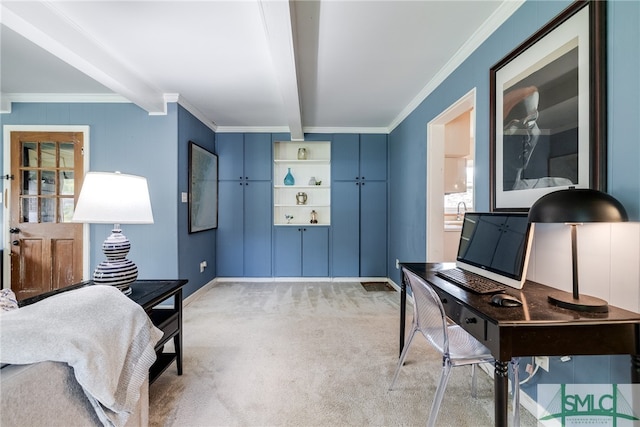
[{"x": 470, "y": 320}]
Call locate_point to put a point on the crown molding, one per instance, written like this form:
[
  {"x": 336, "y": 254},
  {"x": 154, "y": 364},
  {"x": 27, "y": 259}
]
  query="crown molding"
[{"x": 497, "y": 18}]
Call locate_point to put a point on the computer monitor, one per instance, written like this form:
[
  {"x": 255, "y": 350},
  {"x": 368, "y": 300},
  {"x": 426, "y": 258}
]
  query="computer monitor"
[{"x": 496, "y": 246}]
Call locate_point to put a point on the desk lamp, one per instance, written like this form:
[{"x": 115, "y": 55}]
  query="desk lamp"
[
  {"x": 573, "y": 207},
  {"x": 114, "y": 198}
]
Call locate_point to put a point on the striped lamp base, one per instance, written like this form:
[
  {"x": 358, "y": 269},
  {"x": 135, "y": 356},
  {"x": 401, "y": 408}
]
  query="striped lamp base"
[{"x": 117, "y": 270}]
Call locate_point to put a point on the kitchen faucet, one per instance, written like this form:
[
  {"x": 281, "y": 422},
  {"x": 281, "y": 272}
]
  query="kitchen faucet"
[{"x": 458, "y": 216}]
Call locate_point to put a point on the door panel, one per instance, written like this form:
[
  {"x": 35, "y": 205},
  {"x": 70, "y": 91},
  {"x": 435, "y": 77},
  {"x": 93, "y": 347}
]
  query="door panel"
[
  {"x": 315, "y": 252},
  {"x": 345, "y": 228},
  {"x": 46, "y": 247},
  {"x": 373, "y": 229}
]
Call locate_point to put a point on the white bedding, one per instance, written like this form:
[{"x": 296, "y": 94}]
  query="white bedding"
[{"x": 103, "y": 335}]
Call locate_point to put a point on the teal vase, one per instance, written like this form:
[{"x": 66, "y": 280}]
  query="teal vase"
[{"x": 288, "y": 179}]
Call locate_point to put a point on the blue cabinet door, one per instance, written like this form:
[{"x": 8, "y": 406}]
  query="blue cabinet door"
[
  {"x": 287, "y": 251},
  {"x": 345, "y": 229},
  {"x": 257, "y": 156},
  {"x": 315, "y": 251},
  {"x": 257, "y": 228},
  {"x": 230, "y": 150},
  {"x": 373, "y": 229},
  {"x": 301, "y": 251},
  {"x": 345, "y": 150},
  {"x": 229, "y": 235},
  {"x": 373, "y": 157}
]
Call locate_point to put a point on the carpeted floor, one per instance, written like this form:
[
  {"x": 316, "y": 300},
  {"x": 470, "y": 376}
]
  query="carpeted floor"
[{"x": 306, "y": 354}]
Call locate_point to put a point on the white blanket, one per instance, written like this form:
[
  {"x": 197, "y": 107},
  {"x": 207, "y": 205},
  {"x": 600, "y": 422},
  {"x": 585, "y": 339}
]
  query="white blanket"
[{"x": 103, "y": 335}]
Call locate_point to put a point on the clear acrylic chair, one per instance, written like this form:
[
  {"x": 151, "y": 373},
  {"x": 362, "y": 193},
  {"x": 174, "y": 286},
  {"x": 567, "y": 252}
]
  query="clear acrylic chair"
[{"x": 458, "y": 347}]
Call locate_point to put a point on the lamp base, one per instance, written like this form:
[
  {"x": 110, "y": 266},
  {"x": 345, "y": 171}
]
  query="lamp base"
[
  {"x": 119, "y": 273},
  {"x": 584, "y": 303}
]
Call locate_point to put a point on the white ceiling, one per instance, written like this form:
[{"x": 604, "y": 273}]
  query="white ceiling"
[{"x": 244, "y": 65}]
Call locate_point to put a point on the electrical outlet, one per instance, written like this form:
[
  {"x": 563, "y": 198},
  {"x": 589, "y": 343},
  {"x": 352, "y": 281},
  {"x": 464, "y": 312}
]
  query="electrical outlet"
[
  {"x": 543, "y": 362},
  {"x": 397, "y": 264}
]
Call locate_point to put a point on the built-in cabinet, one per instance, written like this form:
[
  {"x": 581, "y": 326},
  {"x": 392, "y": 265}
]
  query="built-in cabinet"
[
  {"x": 301, "y": 208},
  {"x": 254, "y": 237},
  {"x": 243, "y": 237},
  {"x": 359, "y": 205},
  {"x": 301, "y": 251}
]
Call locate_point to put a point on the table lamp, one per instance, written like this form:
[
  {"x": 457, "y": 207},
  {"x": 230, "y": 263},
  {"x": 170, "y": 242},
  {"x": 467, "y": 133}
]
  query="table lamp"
[
  {"x": 573, "y": 207},
  {"x": 114, "y": 198}
]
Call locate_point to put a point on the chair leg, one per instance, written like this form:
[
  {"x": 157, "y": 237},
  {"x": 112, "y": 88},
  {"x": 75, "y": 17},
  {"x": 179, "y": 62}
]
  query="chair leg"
[
  {"x": 435, "y": 407},
  {"x": 474, "y": 382},
  {"x": 403, "y": 356},
  {"x": 516, "y": 391}
]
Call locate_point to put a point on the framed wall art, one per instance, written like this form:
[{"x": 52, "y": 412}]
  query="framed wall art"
[
  {"x": 548, "y": 112},
  {"x": 203, "y": 189}
]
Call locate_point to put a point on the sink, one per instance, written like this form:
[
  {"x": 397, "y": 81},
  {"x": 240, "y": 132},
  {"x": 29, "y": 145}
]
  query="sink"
[{"x": 452, "y": 225}]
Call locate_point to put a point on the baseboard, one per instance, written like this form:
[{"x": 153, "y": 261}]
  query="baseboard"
[
  {"x": 303, "y": 279},
  {"x": 194, "y": 296}
]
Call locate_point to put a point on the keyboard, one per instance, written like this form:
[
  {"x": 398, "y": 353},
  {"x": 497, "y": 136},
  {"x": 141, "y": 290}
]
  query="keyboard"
[{"x": 471, "y": 281}]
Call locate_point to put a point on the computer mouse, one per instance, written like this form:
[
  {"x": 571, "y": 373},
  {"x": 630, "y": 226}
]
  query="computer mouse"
[{"x": 504, "y": 300}]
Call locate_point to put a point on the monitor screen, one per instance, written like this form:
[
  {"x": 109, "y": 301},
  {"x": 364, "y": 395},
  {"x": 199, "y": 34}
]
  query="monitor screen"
[{"x": 496, "y": 245}]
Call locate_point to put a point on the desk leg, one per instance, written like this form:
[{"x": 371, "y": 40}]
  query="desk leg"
[
  {"x": 403, "y": 312},
  {"x": 635, "y": 368},
  {"x": 177, "y": 340},
  {"x": 501, "y": 392}
]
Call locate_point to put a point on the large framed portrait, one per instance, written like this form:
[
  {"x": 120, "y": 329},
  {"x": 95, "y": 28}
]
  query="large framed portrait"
[
  {"x": 203, "y": 189},
  {"x": 548, "y": 112}
]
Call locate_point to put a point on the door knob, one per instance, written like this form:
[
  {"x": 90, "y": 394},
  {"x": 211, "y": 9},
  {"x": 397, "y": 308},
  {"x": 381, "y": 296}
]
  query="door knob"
[
  {"x": 16, "y": 243},
  {"x": 14, "y": 230}
]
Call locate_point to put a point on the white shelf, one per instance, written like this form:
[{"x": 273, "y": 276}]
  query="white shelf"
[{"x": 317, "y": 165}]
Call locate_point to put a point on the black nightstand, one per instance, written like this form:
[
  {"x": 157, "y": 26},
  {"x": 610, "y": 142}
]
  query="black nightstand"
[{"x": 150, "y": 294}]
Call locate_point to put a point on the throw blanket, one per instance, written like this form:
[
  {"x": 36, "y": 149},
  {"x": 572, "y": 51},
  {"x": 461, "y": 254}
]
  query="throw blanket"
[{"x": 104, "y": 336}]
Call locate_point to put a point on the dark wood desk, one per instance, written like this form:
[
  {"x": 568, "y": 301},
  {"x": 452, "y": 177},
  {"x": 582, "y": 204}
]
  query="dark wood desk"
[{"x": 535, "y": 329}]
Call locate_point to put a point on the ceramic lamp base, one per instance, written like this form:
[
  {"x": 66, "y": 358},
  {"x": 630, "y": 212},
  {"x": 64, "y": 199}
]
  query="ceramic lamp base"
[{"x": 117, "y": 270}]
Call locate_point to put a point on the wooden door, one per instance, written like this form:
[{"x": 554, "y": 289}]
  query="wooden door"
[{"x": 46, "y": 248}]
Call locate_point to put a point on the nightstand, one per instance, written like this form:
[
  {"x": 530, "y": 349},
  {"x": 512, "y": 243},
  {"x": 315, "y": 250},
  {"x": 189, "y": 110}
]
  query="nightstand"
[{"x": 155, "y": 298}]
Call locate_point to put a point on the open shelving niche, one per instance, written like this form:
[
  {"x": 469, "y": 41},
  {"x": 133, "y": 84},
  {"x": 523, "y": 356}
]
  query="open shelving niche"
[{"x": 317, "y": 165}]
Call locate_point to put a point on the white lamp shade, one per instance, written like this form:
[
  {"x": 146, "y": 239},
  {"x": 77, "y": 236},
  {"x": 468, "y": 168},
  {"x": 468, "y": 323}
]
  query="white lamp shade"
[{"x": 113, "y": 198}]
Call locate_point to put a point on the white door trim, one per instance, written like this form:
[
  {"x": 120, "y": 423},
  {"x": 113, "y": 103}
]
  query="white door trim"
[
  {"x": 435, "y": 173},
  {"x": 6, "y": 194}
]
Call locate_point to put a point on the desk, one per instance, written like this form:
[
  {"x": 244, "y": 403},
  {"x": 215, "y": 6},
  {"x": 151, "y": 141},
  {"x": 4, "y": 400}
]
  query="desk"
[{"x": 535, "y": 329}]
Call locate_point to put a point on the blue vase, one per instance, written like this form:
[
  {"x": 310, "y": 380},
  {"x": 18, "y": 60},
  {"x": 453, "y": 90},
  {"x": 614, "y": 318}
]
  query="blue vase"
[{"x": 288, "y": 179}]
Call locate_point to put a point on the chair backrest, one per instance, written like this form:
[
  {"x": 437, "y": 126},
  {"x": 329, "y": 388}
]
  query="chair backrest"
[{"x": 429, "y": 313}]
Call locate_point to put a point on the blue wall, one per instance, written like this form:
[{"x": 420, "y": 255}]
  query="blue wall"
[
  {"x": 201, "y": 246},
  {"x": 126, "y": 138},
  {"x": 407, "y": 142},
  {"x": 407, "y": 151}
]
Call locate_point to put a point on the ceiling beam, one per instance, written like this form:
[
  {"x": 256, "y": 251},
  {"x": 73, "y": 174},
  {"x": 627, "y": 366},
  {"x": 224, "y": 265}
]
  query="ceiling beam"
[
  {"x": 41, "y": 23},
  {"x": 278, "y": 18}
]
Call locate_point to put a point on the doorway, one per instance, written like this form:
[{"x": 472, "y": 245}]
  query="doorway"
[
  {"x": 43, "y": 249},
  {"x": 437, "y": 138}
]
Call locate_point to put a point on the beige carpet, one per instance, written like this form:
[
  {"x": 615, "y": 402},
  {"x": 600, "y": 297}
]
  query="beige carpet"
[{"x": 306, "y": 354}]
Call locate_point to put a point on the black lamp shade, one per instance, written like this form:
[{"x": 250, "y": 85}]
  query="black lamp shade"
[{"x": 576, "y": 205}]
